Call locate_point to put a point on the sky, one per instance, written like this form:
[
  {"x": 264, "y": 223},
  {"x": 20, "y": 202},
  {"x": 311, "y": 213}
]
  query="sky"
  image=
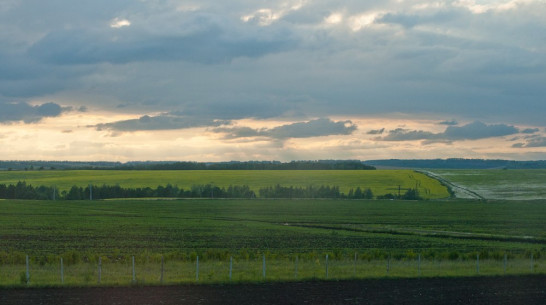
[{"x": 124, "y": 80}]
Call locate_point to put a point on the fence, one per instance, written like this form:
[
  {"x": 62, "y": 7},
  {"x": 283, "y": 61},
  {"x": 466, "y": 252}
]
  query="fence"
[{"x": 263, "y": 269}]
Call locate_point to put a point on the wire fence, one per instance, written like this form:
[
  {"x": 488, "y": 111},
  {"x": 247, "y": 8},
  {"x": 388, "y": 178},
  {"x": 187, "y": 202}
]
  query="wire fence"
[{"x": 252, "y": 270}]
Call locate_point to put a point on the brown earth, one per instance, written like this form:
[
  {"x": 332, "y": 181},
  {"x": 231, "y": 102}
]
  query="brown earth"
[{"x": 528, "y": 290}]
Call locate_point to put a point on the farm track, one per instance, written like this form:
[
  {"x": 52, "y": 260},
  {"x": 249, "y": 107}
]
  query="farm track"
[
  {"x": 426, "y": 233},
  {"x": 453, "y": 186},
  {"x": 527, "y": 290}
]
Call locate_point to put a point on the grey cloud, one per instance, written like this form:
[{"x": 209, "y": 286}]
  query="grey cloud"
[
  {"x": 472, "y": 131},
  {"x": 313, "y": 128},
  {"x": 534, "y": 142},
  {"x": 206, "y": 42},
  {"x": 412, "y": 20},
  {"x": 376, "y": 131},
  {"x": 160, "y": 122},
  {"x": 479, "y": 130},
  {"x": 22, "y": 111},
  {"x": 401, "y": 134},
  {"x": 530, "y": 130},
  {"x": 454, "y": 63}
]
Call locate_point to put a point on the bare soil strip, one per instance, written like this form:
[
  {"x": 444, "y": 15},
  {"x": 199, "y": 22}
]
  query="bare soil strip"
[{"x": 526, "y": 290}]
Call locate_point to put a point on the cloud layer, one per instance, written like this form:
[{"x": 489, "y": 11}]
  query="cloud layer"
[
  {"x": 12, "y": 112},
  {"x": 181, "y": 65},
  {"x": 472, "y": 131},
  {"x": 309, "y": 129}
]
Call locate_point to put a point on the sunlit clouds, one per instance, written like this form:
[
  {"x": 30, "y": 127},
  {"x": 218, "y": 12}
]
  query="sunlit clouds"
[{"x": 119, "y": 23}]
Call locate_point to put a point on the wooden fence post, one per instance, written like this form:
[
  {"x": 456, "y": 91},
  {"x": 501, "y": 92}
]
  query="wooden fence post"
[
  {"x": 162, "y": 269},
  {"x": 326, "y": 266},
  {"x": 28, "y": 271},
  {"x": 263, "y": 267},
  {"x": 354, "y": 267},
  {"x": 100, "y": 269},
  {"x": 296, "y": 268},
  {"x": 197, "y": 269},
  {"x": 134, "y": 271},
  {"x": 419, "y": 265},
  {"x": 505, "y": 263},
  {"x": 62, "y": 271},
  {"x": 478, "y": 263},
  {"x": 230, "y": 267},
  {"x": 532, "y": 263}
]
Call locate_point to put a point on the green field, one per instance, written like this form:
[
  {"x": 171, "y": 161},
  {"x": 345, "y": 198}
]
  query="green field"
[
  {"x": 131, "y": 227},
  {"x": 379, "y": 181},
  {"x": 447, "y": 234},
  {"x": 512, "y": 184}
]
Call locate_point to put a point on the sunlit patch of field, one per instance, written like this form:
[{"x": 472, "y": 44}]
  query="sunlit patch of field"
[{"x": 379, "y": 181}]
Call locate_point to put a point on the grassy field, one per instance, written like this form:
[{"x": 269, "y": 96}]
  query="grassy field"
[
  {"x": 379, "y": 181},
  {"x": 500, "y": 184},
  {"x": 251, "y": 270},
  {"x": 387, "y": 237},
  {"x": 218, "y": 228}
]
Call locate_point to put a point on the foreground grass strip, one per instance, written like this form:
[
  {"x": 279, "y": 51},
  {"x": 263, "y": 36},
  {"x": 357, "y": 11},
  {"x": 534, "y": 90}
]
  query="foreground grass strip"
[{"x": 213, "y": 271}]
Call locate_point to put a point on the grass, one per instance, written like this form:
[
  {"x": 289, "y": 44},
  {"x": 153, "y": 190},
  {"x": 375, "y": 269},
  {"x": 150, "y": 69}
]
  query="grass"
[
  {"x": 379, "y": 181},
  {"x": 448, "y": 235},
  {"x": 215, "y": 271},
  {"x": 219, "y": 228},
  {"x": 500, "y": 184}
]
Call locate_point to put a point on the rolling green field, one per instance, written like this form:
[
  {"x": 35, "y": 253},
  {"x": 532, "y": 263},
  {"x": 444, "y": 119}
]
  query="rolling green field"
[
  {"x": 131, "y": 227},
  {"x": 386, "y": 236},
  {"x": 379, "y": 181},
  {"x": 512, "y": 184}
]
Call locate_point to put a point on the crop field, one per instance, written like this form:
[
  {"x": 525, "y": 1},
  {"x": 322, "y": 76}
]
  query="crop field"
[
  {"x": 386, "y": 236},
  {"x": 511, "y": 184},
  {"x": 379, "y": 181},
  {"x": 132, "y": 227}
]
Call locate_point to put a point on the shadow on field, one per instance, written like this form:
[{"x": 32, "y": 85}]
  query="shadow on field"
[{"x": 527, "y": 290}]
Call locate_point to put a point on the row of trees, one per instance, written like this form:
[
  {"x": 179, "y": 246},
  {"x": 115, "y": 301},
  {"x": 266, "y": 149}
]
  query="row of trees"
[
  {"x": 22, "y": 190},
  {"x": 250, "y": 165},
  {"x": 279, "y": 191}
]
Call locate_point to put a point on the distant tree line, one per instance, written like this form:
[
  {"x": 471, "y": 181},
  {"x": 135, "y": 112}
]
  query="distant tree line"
[
  {"x": 161, "y": 165},
  {"x": 458, "y": 163},
  {"x": 251, "y": 165},
  {"x": 22, "y": 190}
]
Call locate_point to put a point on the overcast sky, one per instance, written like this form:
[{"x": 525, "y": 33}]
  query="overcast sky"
[{"x": 272, "y": 80}]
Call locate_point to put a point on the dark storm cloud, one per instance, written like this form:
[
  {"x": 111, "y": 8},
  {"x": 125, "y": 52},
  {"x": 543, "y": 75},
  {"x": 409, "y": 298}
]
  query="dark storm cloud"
[
  {"x": 313, "y": 128},
  {"x": 22, "y": 111},
  {"x": 472, "y": 131},
  {"x": 160, "y": 122}
]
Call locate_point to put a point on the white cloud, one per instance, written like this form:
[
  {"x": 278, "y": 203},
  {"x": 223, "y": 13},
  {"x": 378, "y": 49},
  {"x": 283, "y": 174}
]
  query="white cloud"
[
  {"x": 334, "y": 18},
  {"x": 117, "y": 23},
  {"x": 358, "y": 22},
  {"x": 267, "y": 16},
  {"x": 481, "y": 7}
]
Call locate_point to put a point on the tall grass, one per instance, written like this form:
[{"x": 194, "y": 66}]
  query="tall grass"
[{"x": 217, "y": 271}]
